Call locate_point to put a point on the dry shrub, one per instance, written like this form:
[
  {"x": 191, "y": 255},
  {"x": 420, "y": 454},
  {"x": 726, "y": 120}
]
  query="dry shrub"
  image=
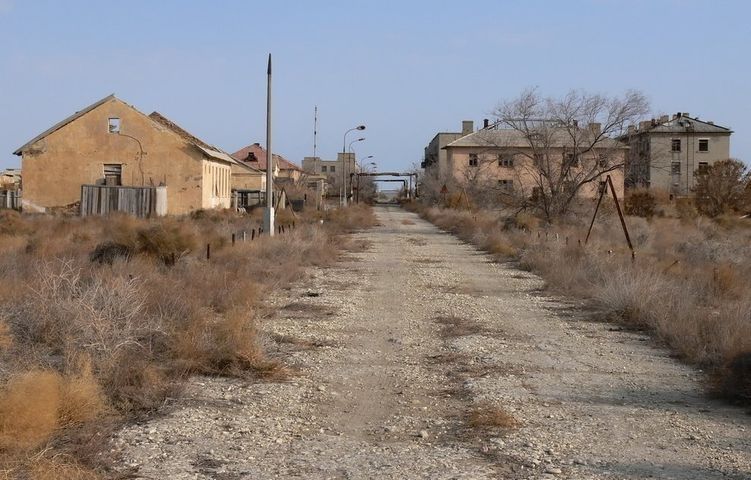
[
  {"x": 490, "y": 417},
  {"x": 82, "y": 396},
  {"x": 12, "y": 223},
  {"x": 29, "y": 407},
  {"x": 57, "y": 469},
  {"x": 6, "y": 337},
  {"x": 167, "y": 241},
  {"x": 640, "y": 203}
]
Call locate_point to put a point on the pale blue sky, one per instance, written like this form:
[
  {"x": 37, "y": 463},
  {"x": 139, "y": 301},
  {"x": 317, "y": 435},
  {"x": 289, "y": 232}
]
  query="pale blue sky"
[{"x": 406, "y": 69}]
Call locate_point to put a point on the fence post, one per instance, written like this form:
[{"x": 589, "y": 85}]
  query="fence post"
[
  {"x": 252, "y": 234},
  {"x": 208, "y": 251},
  {"x": 243, "y": 236},
  {"x": 233, "y": 239}
]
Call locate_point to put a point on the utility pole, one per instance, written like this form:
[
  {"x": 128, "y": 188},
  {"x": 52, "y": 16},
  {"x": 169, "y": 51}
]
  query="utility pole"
[{"x": 268, "y": 218}]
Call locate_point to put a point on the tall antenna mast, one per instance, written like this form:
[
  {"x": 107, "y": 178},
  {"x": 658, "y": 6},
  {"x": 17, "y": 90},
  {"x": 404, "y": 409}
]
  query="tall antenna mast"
[{"x": 315, "y": 131}]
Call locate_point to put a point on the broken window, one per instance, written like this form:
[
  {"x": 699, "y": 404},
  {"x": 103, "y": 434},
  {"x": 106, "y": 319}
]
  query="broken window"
[
  {"x": 113, "y": 174},
  {"x": 113, "y": 125},
  {"x": 323, "y": 168},
  {"x": 506, "y": 184},
  {"x": 473, "y": 160},
  {"x": 505, "y": 160},
  {"x": 703, "y": 144},
  {"x": 332, "y": 169},
  {"x": 675, "y": 145}
]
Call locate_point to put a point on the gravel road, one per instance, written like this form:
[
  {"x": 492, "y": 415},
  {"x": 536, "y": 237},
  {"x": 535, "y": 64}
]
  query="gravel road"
[{"x": 396, "y": 346}]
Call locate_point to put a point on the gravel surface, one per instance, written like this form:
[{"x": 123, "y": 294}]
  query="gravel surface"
[{"x": 396, "y": 346}]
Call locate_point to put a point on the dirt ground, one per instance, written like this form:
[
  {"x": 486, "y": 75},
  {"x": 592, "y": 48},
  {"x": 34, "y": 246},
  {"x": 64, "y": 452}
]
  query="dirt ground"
[{"x": 394, "y": 350}]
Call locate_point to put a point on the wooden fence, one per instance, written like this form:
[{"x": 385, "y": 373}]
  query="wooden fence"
[
  {"x": 10, "y": 199},
  {"x": 138, "y": 201}
]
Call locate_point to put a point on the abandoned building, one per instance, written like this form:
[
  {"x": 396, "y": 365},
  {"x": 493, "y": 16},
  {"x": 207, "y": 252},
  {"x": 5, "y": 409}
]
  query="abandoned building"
[
  {"x": 666, "y": 152},
  {"x": 112, "y": 145}
]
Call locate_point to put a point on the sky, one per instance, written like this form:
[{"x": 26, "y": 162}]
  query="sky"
[{"x": 405, "y": 69}]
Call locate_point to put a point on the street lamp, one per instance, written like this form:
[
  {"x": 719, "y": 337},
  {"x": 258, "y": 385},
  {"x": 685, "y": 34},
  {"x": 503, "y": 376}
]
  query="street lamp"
[
  {"x": 350, "y": 166},
  {"x": 342, "y": 191}
]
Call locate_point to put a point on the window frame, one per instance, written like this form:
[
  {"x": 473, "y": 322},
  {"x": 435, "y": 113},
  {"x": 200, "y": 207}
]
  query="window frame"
[
  {"x": 705, "y": 142},
  {"x": 118, "y": 167},
  {"x": 673, "y": 143},
  {"x": 114, "y": 125},
  {"x": 473, "y": 160}
]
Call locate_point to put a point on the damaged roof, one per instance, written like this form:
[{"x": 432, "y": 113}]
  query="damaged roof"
[{"x": 255, "y": 155}]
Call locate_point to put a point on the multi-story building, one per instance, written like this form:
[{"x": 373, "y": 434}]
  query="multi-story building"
[
  {"x": 666, "y": 152},
  {"x": 336, "y": 172},
  {"x": 435, "y": 163}
]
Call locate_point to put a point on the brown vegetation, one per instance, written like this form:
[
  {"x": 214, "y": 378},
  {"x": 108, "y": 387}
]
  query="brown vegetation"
[
  {"x": 687, "y": 284},
  {"x": 491, "y": 417},
  {"x": 102, "y": 319}
]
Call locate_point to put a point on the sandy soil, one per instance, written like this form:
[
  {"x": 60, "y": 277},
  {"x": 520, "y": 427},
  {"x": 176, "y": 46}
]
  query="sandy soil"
[{"x": 396, "y": 346}]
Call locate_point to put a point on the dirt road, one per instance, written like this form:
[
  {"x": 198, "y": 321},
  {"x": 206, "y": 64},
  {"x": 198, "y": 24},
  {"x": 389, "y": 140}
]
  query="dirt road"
[{"x": 397, "y": 346}]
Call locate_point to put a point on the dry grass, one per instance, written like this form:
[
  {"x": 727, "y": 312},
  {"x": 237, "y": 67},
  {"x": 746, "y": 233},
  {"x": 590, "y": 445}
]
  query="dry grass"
[
  {"x": 454, "y": 326},
  {"x": 687, "y": 285},
  {"x": 485, "y": 417},
  {"x": 102, "y": 319}
]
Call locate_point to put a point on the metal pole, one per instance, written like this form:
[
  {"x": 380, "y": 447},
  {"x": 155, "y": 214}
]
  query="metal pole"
[
  {"x": 620, "y": 215},
  {"x": 268, "y": 219}
]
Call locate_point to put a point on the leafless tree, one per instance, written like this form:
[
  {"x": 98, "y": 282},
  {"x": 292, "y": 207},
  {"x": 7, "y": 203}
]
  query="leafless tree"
[{"x": 569, "y": 142}]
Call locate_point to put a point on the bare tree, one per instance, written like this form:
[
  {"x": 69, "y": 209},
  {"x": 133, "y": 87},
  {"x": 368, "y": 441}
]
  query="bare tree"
[{"x": 569, "y": 142}]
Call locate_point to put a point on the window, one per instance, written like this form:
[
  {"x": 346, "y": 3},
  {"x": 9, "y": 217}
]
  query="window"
[
  {"x": 113, "y": 125},
  {"x": 113, "y": 174},
  {"x": 505, "y": 160},
  {"x": 675, "y": 168},
  {"x": 703, "y": 167},
  {"x": 506, "y": 184},
  {"x": 572, "y": 159},
  {"x": 332, "y": 169},
  {"x": 675, "y": 145},
  {"x": 323, "y": 168},
  {"x": 473, "y": 160},
  {"x": 703, "y": 144}
]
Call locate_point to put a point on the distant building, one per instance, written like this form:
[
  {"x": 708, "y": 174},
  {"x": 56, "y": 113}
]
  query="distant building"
[
  {"x": 503, "y": 160},
  {"x": 334, "y": 171},
  {"x": 666, "y": 152},
  {"x": 110, "y": 143},
  {"x": 254, "y": 156},
  {"x": 10, "y": 179},
  {"x": 435, "y": 154}
]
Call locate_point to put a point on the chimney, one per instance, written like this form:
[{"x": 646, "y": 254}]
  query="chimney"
[
  {"x": 595, "y": 128},
  {"x": 631, "y": 129},
  {"x": 485, "y": 123},
  {"x": 679, "y": 114},
  {"x": 686, "y": 114},
  {"x": 468, "y": 126}
]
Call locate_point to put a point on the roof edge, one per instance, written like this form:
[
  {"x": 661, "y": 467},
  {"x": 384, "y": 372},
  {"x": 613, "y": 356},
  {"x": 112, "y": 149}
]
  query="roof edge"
[{"x": 63, "y": 123}]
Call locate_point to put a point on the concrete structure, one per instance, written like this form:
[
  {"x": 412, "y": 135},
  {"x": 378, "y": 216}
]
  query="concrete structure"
[
  {"x": 254, "y": 156},
  {"x": 666, "y": 152},
  {"x": 112, "y": 143},
  {"x": 10, "y": 179},
  {"x": 504, "y": 160},
  {"x": 332, "y": 170},
  {"x": 435, "y": 154}
]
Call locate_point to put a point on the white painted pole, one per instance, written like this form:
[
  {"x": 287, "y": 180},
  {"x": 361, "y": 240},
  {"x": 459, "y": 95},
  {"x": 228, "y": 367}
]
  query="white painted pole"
[{"x": 268, "y": 218}]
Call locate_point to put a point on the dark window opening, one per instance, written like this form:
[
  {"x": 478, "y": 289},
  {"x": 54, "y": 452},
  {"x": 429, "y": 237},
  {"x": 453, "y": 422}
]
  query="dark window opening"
[
  {"x": 703, "y": 167},
  {"x": 505, "y": 160},
  {"x": 703, "y": 145},
  {"x": 473, "y": 160},
  {"x": 323, "y": 169},
  {"x": 113, "y": 175},
  {"x": 572, "y": 159},
  {"x": 675, "y": 145},
  {"x": 506, "y": 184},
  {"x": 332, "y": 169}
]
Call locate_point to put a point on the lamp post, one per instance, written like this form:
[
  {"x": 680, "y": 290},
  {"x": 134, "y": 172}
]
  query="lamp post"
[
  {"x": 342, "y": 191},
  {"x": 349, "y": 171}
]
